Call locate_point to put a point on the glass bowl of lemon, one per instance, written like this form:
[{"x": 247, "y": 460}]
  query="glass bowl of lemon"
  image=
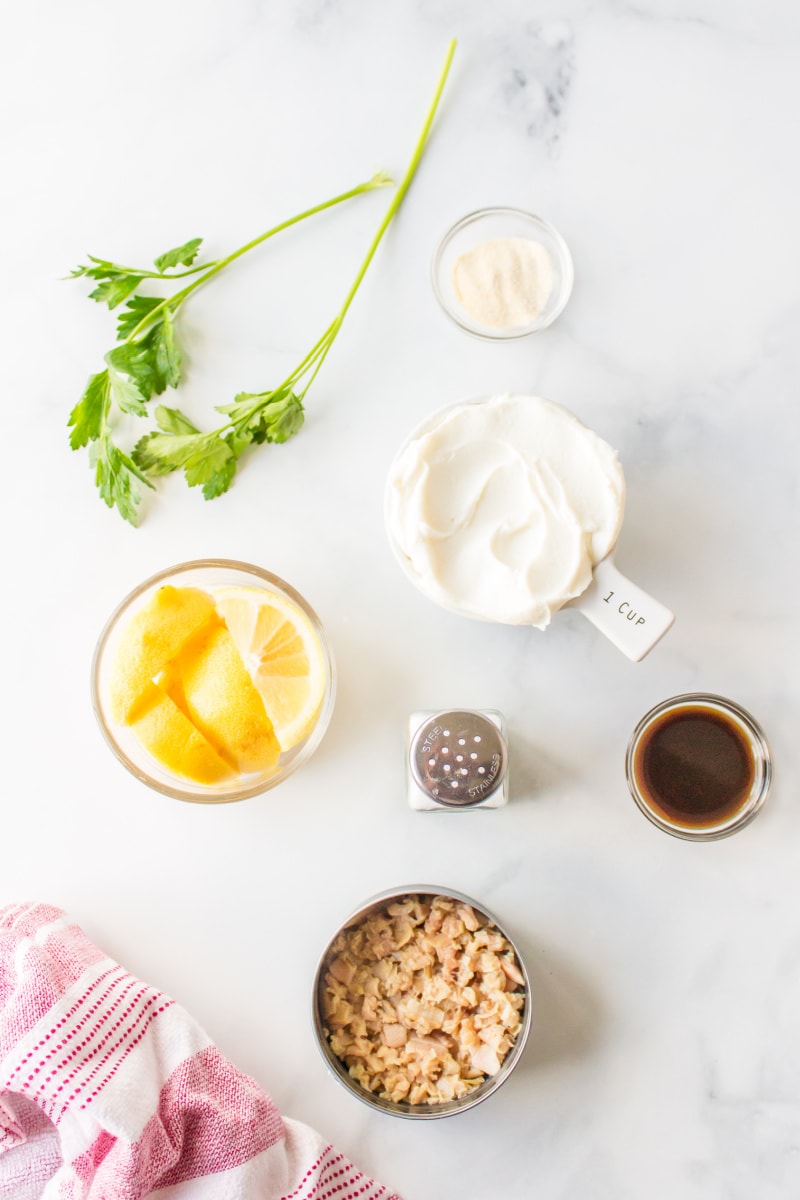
[{"x": 213, "y": 681}]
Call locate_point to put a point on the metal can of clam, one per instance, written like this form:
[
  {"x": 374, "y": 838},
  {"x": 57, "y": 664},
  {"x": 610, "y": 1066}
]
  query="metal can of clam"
[{"x": 513, "y": 994}]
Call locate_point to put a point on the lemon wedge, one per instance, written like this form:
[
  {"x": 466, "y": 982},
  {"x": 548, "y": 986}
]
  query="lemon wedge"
[
  {"x": 283, "y": 653},
  {"x": 154, "y": 635},
  {"x": 208, "y": 682},
  {"x": 173, "y": 741}
]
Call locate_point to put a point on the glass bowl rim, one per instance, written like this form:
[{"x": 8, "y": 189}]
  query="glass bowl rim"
[
  {"x": 419, "y": 1112},
  {"x": 764, "y": 766},
  {"x": 196, "y": 795},
  {"x": 514, "y": 333}
]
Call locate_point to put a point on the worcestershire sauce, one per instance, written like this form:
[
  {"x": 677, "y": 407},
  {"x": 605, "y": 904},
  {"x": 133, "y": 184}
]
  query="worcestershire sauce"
[{"x": 695, "y": 766}]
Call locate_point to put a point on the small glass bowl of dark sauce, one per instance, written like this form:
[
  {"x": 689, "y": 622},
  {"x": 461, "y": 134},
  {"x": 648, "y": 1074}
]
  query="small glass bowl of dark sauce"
[{"x": 699, "y": 766}]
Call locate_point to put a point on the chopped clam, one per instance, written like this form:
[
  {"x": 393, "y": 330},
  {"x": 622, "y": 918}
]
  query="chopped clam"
[
  {"x": 467, "y": 915},
  {"x": 342, "y": 969},
  {"x": 423, "y": 1000},
  {"x": 512, "y": 971},
  {"x": 395, "y": 1035},
  {"x": 486, "y": 1061}
]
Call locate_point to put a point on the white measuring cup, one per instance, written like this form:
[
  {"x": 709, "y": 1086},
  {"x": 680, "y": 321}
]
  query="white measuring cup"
[{"x": 630, "y": 618}]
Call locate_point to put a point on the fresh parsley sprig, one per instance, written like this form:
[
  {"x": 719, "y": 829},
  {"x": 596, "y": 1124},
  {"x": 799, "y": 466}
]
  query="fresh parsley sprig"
[
  {"x": 147, "y": 358},
  {"x": 210, "y": 460},
  {"x": 116, "y": 282}
]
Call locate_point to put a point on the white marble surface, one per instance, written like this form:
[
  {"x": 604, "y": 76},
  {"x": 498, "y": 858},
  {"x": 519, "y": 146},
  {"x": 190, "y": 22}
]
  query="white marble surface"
[{"x": 660, "y": 138}]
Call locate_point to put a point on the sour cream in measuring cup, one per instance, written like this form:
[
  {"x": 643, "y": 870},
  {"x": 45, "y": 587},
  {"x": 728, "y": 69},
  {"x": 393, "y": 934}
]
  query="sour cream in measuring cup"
[{"x": 500, "y": 508}]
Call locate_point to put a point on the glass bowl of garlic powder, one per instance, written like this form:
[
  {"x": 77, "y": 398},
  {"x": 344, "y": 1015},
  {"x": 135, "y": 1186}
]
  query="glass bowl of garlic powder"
[{"x": 502, "y": 273}]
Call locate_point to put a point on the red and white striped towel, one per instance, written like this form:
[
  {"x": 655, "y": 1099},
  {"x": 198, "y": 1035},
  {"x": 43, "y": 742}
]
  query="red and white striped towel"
[{"x": 109, "y": 1090}]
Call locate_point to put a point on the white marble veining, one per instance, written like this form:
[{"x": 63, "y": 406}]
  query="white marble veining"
[{"x": 660, "y": 138}]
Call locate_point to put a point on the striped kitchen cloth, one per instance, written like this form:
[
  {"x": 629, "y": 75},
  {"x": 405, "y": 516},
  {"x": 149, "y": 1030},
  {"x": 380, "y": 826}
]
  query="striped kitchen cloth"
[{"x": 109, "y": 1090}]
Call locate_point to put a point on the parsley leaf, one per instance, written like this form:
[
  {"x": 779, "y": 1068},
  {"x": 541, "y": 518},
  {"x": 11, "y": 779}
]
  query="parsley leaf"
[
  {"x": 137, "y": 361},
  {"x": 134, "y": 314},
  {"x": 207, "y": 459},
  {"x": 181, "y": 256},
  {"x": 167, "y": 354},
  {"x": 211, "y": 459},
  {"x": 126, "y": 395},
  {"x": 115, "y": 283},
  {"x": 172, "y": 420},
  {"x": 211, "y": 466},
  {"x": 161, "y": 453},
  {"x": 224, "y": 470},
  {"x": 87, "y": 417},
  {"x": 265, "y": 416},
  {"x": 115, "y": 477},
  {"x": 114, "y": 290},
  {"x": 282, "y": 419}
]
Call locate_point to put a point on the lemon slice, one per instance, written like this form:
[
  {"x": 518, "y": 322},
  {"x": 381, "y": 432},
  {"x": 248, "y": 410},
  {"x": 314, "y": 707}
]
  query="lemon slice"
[{"x": 283, "y": 653}]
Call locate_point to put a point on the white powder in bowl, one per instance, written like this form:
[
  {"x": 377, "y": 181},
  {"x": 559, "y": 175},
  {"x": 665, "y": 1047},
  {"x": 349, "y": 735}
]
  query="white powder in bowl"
[{"x": 504, "y": 282}]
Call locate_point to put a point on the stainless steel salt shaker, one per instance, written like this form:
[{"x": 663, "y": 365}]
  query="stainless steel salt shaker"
[{"x": 457, "y": 760}]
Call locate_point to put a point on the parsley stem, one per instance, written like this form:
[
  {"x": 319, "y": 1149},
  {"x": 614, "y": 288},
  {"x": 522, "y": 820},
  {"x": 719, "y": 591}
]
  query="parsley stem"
[
  {"x": 380, "y": 179},
  {"x": 144, "y": 274},
  {"x": 178, "y": 274},
  {"x": 262, "y": 398},
  {"x": 321, "y": 344},
  {"x": 405, "y": 183},
  {"x": 397, "y": 200},
  {"x": 316, "y": 356}
]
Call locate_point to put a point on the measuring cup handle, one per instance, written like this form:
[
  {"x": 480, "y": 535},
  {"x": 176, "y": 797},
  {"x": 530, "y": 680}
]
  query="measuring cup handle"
[{"x": 627, "y": 616}]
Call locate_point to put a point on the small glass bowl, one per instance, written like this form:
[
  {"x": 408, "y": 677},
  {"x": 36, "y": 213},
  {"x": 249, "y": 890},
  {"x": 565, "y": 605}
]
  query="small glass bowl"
[
  {"x": 207, "y": 574},
  {"x": 743, "y": 728},
  {"x": 486, "y": 224},
  {"x": 418, "y": 1112}
]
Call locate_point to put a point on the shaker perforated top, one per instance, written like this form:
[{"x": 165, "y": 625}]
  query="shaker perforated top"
[{"x": 459, "y": 757}]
